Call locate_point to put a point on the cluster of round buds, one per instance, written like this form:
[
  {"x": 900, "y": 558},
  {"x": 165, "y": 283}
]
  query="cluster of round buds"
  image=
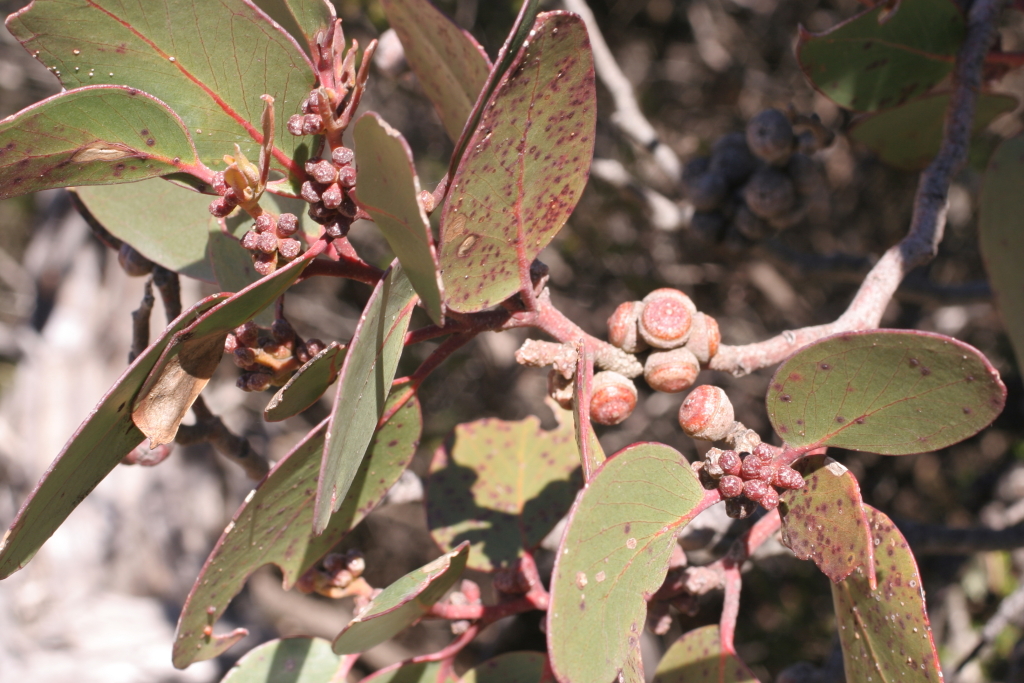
[
  {"x": 271, "y": 238},
  {"x": 468, "y": 594},
  {"x": 746, "y": 480},
  {"x": 338, "y": 576},
  {"x": 755, "y": 184},
  {"x": 228, "y": 200},
  {"x": 268, "y": 357},
  {"x": 309, "y": 122}
]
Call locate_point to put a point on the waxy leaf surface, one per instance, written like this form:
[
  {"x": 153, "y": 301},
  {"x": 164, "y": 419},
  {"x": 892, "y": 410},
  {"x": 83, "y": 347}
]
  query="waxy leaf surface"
[
  {"x": 303, "y": 19},
  {"x": 403, "y": 603},
  {"x": 449, "y": 64},
  {"x": 697, "y": 657},
  {"x": 883, "y": 57},
  {"x": 424, "y": 672},
  {"x": 1001, "y": 206},
  {"x": 524, "y": 167},
  {"x": 885, "y": 632},
  {"x": 616, "y": 550},
  {"x": 825, "y": 521},
  {"x": 365, "y": 381},
  {"x": 908, "y": 137},
  {"x": 503, "y": 486},
  {"x": 291, "y": 660},
  {"x": 388, "y": 190},
  {"x": 892, "y": 392},
  {"x": 272, "y": 526},
  {"x": 96, "y": 448},
  {"x": 209, "y": 60},
  {"x": 512, "y": 667},
  {"x": 91, "y": 136},
  {"x": 307, "y": 384}
]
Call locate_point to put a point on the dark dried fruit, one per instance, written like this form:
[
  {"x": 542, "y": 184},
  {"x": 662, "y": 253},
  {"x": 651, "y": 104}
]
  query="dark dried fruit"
[
  {"x": 769, "y": 193},
  {"x": 770, "y": 136},
  {"x": 732, "y": 159},
  {"x": 708, "y": 225},
  {"x": 751, "y": 226},
  {"x": 706, "y": 191},
  {"x": 770, "y": 500},
  {"x": 282, "y": 331}
]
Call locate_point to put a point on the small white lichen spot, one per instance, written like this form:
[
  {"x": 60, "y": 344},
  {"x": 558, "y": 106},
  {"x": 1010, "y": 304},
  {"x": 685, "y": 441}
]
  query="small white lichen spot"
[
  {"x": 835, "y": 467},
  {"x": 581, "y": 580},
  {"x": 631, "y": 543},
  {"x": 171, "y": 58},
  {"x": 600, "y": 576},
  {"x": 76, "y": 52}
]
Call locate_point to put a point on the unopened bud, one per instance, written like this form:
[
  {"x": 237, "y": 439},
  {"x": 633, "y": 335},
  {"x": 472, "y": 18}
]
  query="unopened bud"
[
  {"x": 265, "y": 264},
  {"x": 247, "y": 333},
  {"x": 288, "y": 248},
  {"x": 770, "y": 136},
  {"x": 787, "y": 478},
  {"x": 267, "y": 243},
  {"x": 706, "y": 414},
  {"x": 332, "y": 196},
  {"x": 347, "y": 177},
  {"x": 730, "y": 486},
  {"x": 322, "y": 171},
  {"x": 221, "y": 207},
  {"x": 312, "y": 124},
  {"x": 755, "y": 469},
  {"x": 731, "y": 158},
  {"x": 730, "y": 462},
  {"x": 666, "y": 318},
  {"x": 310, "y": 191},
  {"x": 342, "y": 156},
  {"x": 671, "y": 371},
  {"x": 613, "y": 398},
  {"x": 287, "y": 224},
  {"x": 769, "y": 193},
  {"x": 265, "y": 222},
  {"x": 251, "y": 240},
  {"x": 282, "y": 331},
  {"x": 296, "y": 124},
  {"x": 254, "y": 381}
]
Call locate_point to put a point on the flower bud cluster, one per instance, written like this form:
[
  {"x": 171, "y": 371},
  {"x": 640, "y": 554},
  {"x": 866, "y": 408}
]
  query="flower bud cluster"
[
  {"x": 271, "y": 238},
  {"x": 338, "y": 576},
  {"x": 747, "y": 480},
  {"x": 268, "y": 357}
]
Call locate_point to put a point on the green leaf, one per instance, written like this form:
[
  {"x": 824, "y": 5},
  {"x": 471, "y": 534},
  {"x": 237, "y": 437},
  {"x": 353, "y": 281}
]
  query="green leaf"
[
  {"x": 209, "y": 61},
  {"x": 1000, "y": 207},
  {"x": 272, "y": 526},
  {"x": 616, "y": 550},
  {"x": 403, "y": 603},
  {"x": 512, "y": 667},
  {"x": 449, "y": 64},
  {"x": 233, "y": 267},
  {"x": 885, "y": 632},
  {"x": 697, "y": 657},
  {"x": 883, "y": 57},
  {"x": 908, "y": 137},
  {"x": 524, "y": 167},
  {"x": 892, "y": 392},
  {"x": 92, "y": 136},
  {"x": 99, "y": 444},
  {"x": 424, "y": 672},
  {"x": 307, "y": 384},
  {"x": 286, "y": 660},
  {"x": 503, "y": 487},
  {"x": 303, "y": 19},
  {"x": 366, "y": 377},
  {"x": 825, "y": 521},
  {"x": 167, "y": 224},
  {"x": 389, "y": 191}
]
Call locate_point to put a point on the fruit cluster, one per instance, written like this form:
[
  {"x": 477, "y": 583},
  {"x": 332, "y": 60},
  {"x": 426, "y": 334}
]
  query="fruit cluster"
[
  {"x": 270, "y": 237},
  {"x": 268, "y": 357},
  {"x": 758, "y": 183},
  {"x": 747, "y": 479}
]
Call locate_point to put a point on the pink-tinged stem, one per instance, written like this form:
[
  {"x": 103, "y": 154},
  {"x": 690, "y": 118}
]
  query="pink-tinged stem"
[
  {"x": 346, "y": 267},
  {"x": 732, "y": 565}
]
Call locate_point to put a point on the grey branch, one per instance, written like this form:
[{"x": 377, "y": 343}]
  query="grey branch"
[
  {"x": 140, "y": 323},
  {"x": 211, "y": 428},
  {"x": 930, "y": 539}
]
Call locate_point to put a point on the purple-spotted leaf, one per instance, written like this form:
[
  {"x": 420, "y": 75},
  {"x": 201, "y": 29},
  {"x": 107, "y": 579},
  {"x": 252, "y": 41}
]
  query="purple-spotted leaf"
[
  {"x": 825, "y": 521},
  {"x": 449, "y": 64},
  {"x": 502, "y": 486},
  {"x": 388, "y": 190},
  {"x": 885, "y": 632},
  {"x": 303, "y": 19},
  {"x": 403, "y": 603},
  {"x": 615, "y": 551},
  {"x": 892, "y": 392},
  {"x": 884, "y": 56},
  {"x": 92, "y": 136},
  {"x": 209, "y": 61},
  {"x": 307, "y": 384},
  {"x": 512, "y": 667},
  {"x": 272, "y": 526},
  {"x": 295, "y": 660},
  {"x": 366, "y": 378},
  {"x": 908, "y": 136},
  {"x": 1002, "y": 241},
  {"x": 424, "y": 672},
  {"x": 524, "y": 167},
  {"x": 697, "y": 657},
  {"x": 99, "y": 444}
]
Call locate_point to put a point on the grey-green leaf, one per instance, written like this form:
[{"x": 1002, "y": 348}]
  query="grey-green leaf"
[
  {"x": 512, "y": 667},
  {"x": 286, "y": 660},
  {"x": 307, "y": 384},
  {"x": 303, "y": 19}
]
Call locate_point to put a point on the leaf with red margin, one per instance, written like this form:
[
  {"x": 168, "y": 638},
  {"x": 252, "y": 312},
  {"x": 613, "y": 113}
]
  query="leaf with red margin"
[
  {"x": 448, "y": 62},
  {"x": 307, "y": 384},
  {"x": 825, "y": 521},
  {"x": 403, "y": 603},
  {"x": 295, "y": 660},
  {"x": 512, "y": 667},
  {"x": 92, "y": 136},
  {"x": 892, "y": 392},
  {"x": 616, "y": 551},
  {"x": 96, "y": 448},
  {"x": 303, "y": 19},
  {"x": 885, "y": 632},
  {"x": 502, "y": 486},
  {"x": 524, "y": 168},
  {"x": 272, "y": 527},
  {"x": 697, "y": 657},
  {"x": 210, "y": 61}
]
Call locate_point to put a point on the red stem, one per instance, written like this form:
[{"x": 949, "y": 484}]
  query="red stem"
[
  {"x": 346, "y": 267},
  {"x": 732, "y": 564},
  {"x": 454, "y": 648}
]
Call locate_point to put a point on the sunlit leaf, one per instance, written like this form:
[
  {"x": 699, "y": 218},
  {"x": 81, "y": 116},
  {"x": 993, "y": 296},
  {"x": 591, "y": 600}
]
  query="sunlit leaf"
[
  {"x": 388, "y": 190},
  {"x": 884, "y": 56},
  {"x": 91, "y": 136},
  {"x": 307, "y": 384},
  {"x": 892, "y": 392},
  {"x": 885, "y": 632},
  {"x": 425, "y": 672},
  {"x": 697, "y": 657},
  {"x": 99, "y": 444},
  {"x": 615, "y": 551},
  {"x": 825, "y": 521},
  {"x": 303, "y": 19},
  {"x": 512, "y": 667},
  {"x": 524, "y": 167},
  {"x": 503, "y": 487},
  {"x": 365, "y": 380},
  {"x": 233, "y": 268},
  {"x": 272, "y": 526},
  {"x": 403, "y": 603},
  {"x": 449, "y": 64},
  {"x": 295, "y": 660}
]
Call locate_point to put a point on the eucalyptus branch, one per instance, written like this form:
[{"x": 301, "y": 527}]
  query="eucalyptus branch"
[
  {"x": 211, "y": 428},
  {"x": 346, "y": 267},
  {"x": 140, "y": 322},
  {"x": 169, "y": 286}
]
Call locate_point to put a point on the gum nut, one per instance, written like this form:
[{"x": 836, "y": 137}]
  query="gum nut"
[
  {"x": 750, "y": 225},
  {"x": 265, "y": 222},
  {"x": 770, "y": 499},
  {"x": 753, "y": 468},
  {"x": 770, "y": 136},
  {"x": 730, "y": 462},
  {"x": 756, "y": 489},
  {"x": 706, "y": 191},
  {"x": 704, "y": 338},
  {"x": 613, "y": 398},
  {"x": 322, "y": 171},
  {"x": 769, "y": 193},
  {"x": 310, "y": 191},
  {"x": 764, "y": 452},
  {"x": 732, "y": 158},
  {"x": 622, "y": 327},
  {"x": 671, "y": 371},
  {"x": 730, "y": 486},
  {"x": 787, "y": 478},
  {"x": 332, "y": 196},
  {"x": 666, "y": 318},
  {"x": 247, "y": 333},
  {"x": 706, "y": 414}
]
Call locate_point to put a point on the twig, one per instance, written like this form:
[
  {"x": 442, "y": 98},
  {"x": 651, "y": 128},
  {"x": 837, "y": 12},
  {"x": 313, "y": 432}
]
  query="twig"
[
  {"x": 665, "y": 214},
  {"x": 1011, "y": 611},
  {"x": 169, "y": 286},
  {"x": 926, "y": 226},
  {"x": 211, "y": 428},
  {"x": 346, "y": 267},
  {"x": 732, "y": 564},
  {"x": 140, "y": 322},
  {"x": 929, "y": 539},
  {"x": 452, "y": 649}
]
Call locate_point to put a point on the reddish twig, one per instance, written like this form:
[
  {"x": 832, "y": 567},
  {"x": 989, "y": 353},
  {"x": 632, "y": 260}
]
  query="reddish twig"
[
  {"x": 346, "y": 267},
  {"x": 732, "y": 565},
  {"x": 475, "y": 323},
  {"x": 454, "y": 648}
]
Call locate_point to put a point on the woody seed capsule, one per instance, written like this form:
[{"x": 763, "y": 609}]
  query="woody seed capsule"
[
  {"x": 622, "y": 327},
  {"x": 322, "y": 171},
  {"x": 756, "y": 489},
  {"x": 613, "y": 399},
  {"x": 666, "y": 318},
  {"x": 704, "y": 338},
  {"x": 671, "y": 371},
  {"x": 706, "y": 414}
]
